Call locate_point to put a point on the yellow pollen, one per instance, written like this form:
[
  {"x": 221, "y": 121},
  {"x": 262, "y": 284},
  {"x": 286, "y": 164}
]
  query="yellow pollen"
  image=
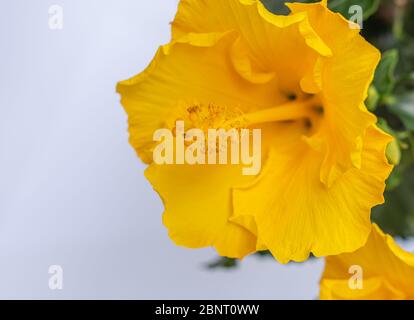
[{"x": 212, "y": 116}]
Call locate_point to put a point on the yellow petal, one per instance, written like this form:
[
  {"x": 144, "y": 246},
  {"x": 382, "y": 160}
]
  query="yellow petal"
[
  {"x": 343, "y": 78},
  {"x": 193, "y": 69},
  {"x": 375, "y": 288},
  {"x": 244, "y": 64},
  {"x": 236, "y": 55},
  {"x": 296, "y": 214},
  {"x": 387, "y": 271},
  {"x": 197, "y": 198},
  {"x": 197, "y": 207},
  {"x": 263, "y": 37}
]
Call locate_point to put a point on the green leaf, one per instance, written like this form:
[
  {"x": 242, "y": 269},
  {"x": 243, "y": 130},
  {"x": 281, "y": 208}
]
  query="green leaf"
[
  {"x": 396, "y": 216},
  {"x": 383, "y": 124},
  {"x": 394, "y": 152},
  {"x": 373, "y": 98},
  {"x": 403, "y": 107},
  {"x": 223, "y": 263},
  {"x": 278, "y": 6},
  {"x": 369, "y": 7},
  {"x": 394, "y": 180},
  {"x": 384, "y": 80}
]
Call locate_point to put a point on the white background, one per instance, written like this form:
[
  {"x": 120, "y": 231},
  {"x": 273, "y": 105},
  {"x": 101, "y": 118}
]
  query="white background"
[{"x": 72, "y": 191}]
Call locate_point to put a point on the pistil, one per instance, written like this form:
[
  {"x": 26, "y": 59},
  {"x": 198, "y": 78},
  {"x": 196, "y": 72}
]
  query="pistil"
[{"x": 289, "y": 111}]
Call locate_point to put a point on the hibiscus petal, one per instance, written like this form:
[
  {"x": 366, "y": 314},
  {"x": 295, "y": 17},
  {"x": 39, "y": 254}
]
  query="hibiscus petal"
[
  {"x": 197, "y": 198},
  {"x": 376, "y": 288},
  {"x": 195, "y": 68},
  {"x": 387, "y": 271},
  {"x": 296, "y": 214},
  {"x": 197, "y": 202},
  {"x": 263, "y": 36},
  {"x": 344, "y": 79}
]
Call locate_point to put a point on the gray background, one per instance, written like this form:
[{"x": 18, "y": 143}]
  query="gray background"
[{"x": 72, "y": 191}]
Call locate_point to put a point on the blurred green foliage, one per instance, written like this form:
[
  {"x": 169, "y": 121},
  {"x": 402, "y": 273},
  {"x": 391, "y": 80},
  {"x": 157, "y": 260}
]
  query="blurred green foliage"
[
  {"x": 388, "y": 25},
  {"x": 369, "y": 7}
]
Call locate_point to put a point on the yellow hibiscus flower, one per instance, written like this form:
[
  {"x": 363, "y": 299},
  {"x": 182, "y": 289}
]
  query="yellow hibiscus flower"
[
  {"x": 302, "y": 79},
  {"x": 386, "y": 272}
]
